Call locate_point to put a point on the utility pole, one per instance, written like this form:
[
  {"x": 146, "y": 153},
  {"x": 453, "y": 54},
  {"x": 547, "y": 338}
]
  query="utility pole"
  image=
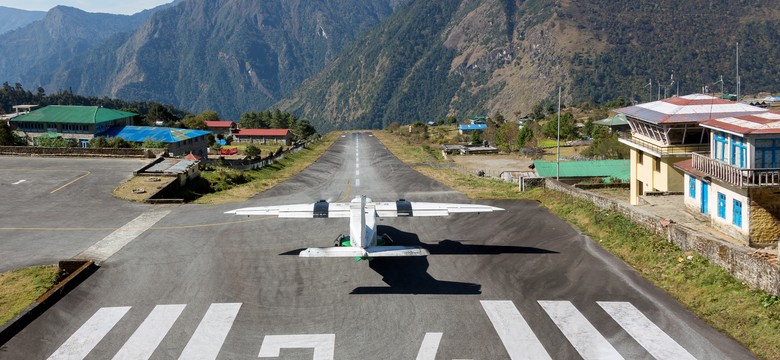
[{"x": 558, "y": 156}]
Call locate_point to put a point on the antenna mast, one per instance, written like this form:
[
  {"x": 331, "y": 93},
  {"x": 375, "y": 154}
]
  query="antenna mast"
[{"x": 738, "y": 80}]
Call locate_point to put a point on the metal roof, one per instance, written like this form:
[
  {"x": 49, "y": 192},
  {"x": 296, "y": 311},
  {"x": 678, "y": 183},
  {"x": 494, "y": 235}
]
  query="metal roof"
[
  {"x": 765, "y": 123},
  {"x": 262, "y": 132},
  {"x": 73, "y": 115},
  {"x": 616, "y": 120},
  {"x": 688, "y": 108},
  {"x": 152, "y": 133},
  {"x": 620, "y": 169},
  {"x": 219, "y": 124},
  {"x": 473, "y": 127}
]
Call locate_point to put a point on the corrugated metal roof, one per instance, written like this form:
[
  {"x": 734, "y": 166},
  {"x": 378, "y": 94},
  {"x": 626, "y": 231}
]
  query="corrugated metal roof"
[
  {"x": 73, "y": 115},
  {"x": 616, "y": 120},
  {"x": 689, "y": 108},
  {"x": 152, "y": 133},
  {"x": 262, "y": 132},
  {"x": 620, "y": 169},
  {"x": 473, "y": 127},
  {"x": 219, "y": 124},
  {"x": 766, "y": 123}
]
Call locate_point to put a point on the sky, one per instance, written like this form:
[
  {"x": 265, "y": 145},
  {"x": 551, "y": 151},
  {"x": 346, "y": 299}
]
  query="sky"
[{"x": 127, "y": 7}]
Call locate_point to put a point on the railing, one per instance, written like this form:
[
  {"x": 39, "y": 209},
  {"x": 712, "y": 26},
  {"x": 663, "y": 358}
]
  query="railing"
[
  {"x": 667, "y": 150},
  {"x": 733, "y": 175}
]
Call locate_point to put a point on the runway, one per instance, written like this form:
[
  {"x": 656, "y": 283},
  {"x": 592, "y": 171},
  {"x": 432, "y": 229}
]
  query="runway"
[{"x": 517, "y": 284}]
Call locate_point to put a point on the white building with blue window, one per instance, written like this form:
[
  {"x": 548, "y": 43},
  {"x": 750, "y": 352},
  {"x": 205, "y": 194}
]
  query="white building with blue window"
[{"x": 737, "y": 184}]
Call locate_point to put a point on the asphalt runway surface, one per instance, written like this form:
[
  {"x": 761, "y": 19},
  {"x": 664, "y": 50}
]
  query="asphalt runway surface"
[{"x": 516, "y": 284}]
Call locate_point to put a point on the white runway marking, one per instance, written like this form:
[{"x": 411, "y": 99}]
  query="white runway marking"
[
  {"x": 207, "y": 340},
  {"x": 357, "y": 172},
  {"x": 357, "y": 182},
  {"x": 429, "y": 347},
  {"x": 514, "y": 332},
  {"x": 148, "y": 336},
  {"x": 324, "y": 345},
  {"x": 104, "y": 249},
  {"x": 18, "y": 182},
  {"x": 581, "y": 333},
  {"x": 653, "y": 339},
  {"x": 88, "y": 335}
]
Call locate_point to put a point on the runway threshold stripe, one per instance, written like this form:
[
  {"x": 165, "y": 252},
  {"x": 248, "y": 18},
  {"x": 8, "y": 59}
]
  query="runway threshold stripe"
[
  {"x": 580, "y": 332},
  {"x": 207, "y": 340},
  {"x": 148, "y": 336},
  {"x": 647, "y": 334},
  {"x": 104, "y": 249},
  {"x": 324, "y": 345},
  {"x": 429, "y": 347},
  {"x": 514, "y": 332},
  {"x": 88, "y": 335}
]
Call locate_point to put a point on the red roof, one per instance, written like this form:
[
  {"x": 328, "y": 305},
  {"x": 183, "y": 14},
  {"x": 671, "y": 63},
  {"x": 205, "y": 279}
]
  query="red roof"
[
  {"x": 262, "y": 132},
  {"x": 219, "y": 124},
  {"x": 192, "y": 157},
  {"x": 765, "y": 123}
]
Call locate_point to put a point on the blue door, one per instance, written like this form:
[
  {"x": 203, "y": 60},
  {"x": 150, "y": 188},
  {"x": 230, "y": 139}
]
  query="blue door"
[{"x": 705, "y": 195}]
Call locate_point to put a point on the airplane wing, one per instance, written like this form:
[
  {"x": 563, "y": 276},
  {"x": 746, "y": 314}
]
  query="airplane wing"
[
  {"x": 408, "y": 208},
  {"x": 320, "y": 209}
]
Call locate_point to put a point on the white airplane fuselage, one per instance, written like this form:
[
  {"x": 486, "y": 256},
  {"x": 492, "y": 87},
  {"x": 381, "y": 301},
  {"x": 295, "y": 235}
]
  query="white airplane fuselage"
[{"x": 362, "y": 222}]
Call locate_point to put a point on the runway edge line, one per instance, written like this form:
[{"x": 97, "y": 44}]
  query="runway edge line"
[{"x": 76, "y": 270}]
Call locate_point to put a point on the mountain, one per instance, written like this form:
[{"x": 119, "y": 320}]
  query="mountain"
[
  {"x": 11, "y": 19},
  {"x": 40, "y": 48},
  {"x": 230, "y": 56},
  {"x": 468, "y": 57}
]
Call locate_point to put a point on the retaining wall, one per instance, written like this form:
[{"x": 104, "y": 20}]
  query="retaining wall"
[
  {"x": 77, "y": 151},
  {"x": 757, "y": 270}
]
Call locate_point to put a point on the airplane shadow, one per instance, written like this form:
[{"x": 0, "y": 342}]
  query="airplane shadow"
[{"x": 409, "y": 275}]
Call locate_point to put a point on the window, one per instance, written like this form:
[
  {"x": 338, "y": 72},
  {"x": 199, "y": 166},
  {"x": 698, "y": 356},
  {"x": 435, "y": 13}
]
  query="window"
[
  {"x": 658, "y": 165},
  {"x": 639, "y": 157},
  {"x": 721, "y": 143},
  {"x": 737, "y": 213},
  {"x": 738, "y": 151},
  {"x": 721, "y": 205},
  {"x": 692, "y": 187},
  {"x": 767, "y": 153}
]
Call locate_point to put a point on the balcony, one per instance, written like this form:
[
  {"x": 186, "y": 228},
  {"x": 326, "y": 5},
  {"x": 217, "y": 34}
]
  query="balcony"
[
  {"x": 743, "y": 178},
  {"x": 674, "y": 150}
]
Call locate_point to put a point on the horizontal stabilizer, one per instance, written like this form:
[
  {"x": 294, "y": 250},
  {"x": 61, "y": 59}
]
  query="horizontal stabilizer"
[{"x": 371, "y": 251}]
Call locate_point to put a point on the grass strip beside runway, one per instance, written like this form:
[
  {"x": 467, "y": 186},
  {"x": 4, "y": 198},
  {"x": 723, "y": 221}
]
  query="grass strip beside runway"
[{"x": 21, "y": 287}]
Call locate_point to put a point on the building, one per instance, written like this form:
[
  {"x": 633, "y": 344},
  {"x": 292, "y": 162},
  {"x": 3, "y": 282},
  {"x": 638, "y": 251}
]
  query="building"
[
  {"x": 180, "y": 142},
  {"x": 667, "y": 131},
  {"x": 736, "y": 183},
  {"x": 617, "y": 123},
  {"x": 468, "y": 129},
  {"x": 572, "y": 172},
  {"x": 224, "y": 128},
  {"x": 263, "y": 136},
  {"x": 69, "y": 122}
]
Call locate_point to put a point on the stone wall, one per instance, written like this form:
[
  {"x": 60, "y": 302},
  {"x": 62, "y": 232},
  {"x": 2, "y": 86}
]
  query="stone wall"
[
  {"x": 77, "y": 151},
  {"x": 758, "y": 270}
]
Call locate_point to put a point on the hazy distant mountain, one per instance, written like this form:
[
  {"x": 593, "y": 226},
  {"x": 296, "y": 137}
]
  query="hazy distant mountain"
[
  {"x": 231, "y": 56},
  {"x": 476, "y": 57},
  {"x": 64, "y": 34},
  {"x": 11, "y": 19}
]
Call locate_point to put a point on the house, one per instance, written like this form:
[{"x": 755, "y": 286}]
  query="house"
[
  {"x": 224, "y": 128},
  {"x": 468, "y": 129},
  {"x": 736, "y": 183},
  {"x": 69, "y": 122},
  {"x": 477, "y": 119},
  {"x": 667, "y": 131},
  {"x": 264, "y": 136},
  {"x": 180, "y": 142}
]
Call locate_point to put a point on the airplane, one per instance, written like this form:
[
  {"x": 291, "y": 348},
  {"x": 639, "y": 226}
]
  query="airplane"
[{"x": 363, "y": 242}]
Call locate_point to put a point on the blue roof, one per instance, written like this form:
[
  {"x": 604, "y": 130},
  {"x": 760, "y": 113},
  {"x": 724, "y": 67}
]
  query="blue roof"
[
  {"x": 473, "y": 127},
  {"x": 152, "y": 133}
]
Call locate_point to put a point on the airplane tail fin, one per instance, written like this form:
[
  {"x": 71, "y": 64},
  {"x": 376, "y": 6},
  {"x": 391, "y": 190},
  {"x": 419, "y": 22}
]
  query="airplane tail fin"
[{"x": 369, "y": 252}]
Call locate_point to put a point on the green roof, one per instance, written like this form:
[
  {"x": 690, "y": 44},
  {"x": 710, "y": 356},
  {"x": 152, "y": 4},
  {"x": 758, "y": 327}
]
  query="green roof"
[
  {"x": 73, "y": 115},
  {"x": 620, "y": 169},
  {"x": 616, "y": 120}
]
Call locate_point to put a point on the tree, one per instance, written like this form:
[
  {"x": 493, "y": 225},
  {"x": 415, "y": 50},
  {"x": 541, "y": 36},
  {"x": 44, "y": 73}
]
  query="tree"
[
  {"x": 607, "y": 146},
  {"x": 159, "y": 113},
  {"x": 252, "y": 151},
  {"x": 194, "y": 122},
  {"x": 523, "y": 136},
  {"x": 209, "y": 115},
  {"x": 7, "y": 137},
  {"x": 303, "y": 129},
  {"x": 568, "y": 127},
  {"x": 476, "y": 137}
]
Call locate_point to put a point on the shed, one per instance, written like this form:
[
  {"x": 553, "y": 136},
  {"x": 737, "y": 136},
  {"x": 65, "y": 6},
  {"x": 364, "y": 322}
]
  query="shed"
[{"x": 574, "y": 171}]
